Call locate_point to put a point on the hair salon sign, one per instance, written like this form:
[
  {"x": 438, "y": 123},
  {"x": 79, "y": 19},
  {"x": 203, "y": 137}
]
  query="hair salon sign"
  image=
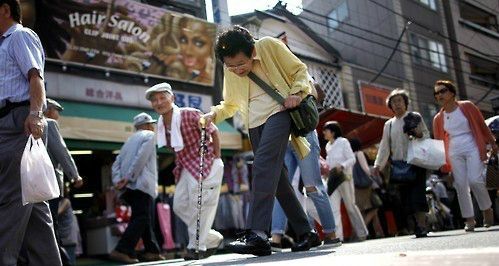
[{"x": 128, "y": 36}]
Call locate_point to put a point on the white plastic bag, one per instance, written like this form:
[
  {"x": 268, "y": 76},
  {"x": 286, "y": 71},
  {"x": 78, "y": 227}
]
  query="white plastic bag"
[
  {"x": 38, "y": 181},
  {"x": 426, "y": 153}
]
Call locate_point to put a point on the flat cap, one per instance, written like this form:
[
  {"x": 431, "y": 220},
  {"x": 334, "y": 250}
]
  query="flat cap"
[
  {"x": 161, "y": 87},
  {"x": 142, "y": 118}
]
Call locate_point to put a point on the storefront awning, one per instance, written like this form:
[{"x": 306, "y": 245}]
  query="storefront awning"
[
  {"x": 87, "y": 123},
  {"x": 355, "y": 125}
]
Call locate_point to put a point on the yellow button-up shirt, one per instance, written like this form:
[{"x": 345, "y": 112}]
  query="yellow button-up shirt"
[
  {"x": 261, "y": 104},
  {"x": 285, "y": 72}
]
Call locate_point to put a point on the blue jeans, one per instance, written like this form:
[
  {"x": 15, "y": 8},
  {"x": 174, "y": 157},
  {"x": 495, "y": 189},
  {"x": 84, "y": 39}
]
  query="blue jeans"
[{"x": 311, "y": 177}]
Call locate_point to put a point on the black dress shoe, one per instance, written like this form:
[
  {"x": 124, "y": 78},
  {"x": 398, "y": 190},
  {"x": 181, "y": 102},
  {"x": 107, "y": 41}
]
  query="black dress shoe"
[
  {"x": 307, "y": 241},
  {"x": 420, "y": 232},
  {"x": 250, "y": 243}
]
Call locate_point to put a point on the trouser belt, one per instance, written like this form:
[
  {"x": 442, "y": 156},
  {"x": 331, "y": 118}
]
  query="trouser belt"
[{"x": 9, "y": 106}]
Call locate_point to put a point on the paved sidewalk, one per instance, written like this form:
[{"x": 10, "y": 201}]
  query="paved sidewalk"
[{"x": 455, "y": 248}]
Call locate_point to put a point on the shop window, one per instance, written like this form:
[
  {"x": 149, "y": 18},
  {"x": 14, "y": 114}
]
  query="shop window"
[
  {"x": 427, "y": 52},
  {"x": 483, "y": 71},
  {"x": 478, "y": 16},
  {"x": 338, "y": 15},
  {"x": 429, "y": 3}
]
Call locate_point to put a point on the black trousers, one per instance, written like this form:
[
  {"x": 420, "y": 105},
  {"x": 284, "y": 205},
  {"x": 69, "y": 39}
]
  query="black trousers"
[
  {"x": 140, "y": 225},
  {"x": 413, "y": 196},
  {"x": 270, "y": 178}
]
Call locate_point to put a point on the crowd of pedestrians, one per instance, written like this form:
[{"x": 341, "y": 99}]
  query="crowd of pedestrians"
[{"x": 31, "y": 235}]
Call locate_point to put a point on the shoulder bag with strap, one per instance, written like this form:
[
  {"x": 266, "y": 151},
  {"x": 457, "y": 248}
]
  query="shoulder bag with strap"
[
  {"x": 360, "y": 178},
  {"x": 401, "y": 172},
  {"x": 305, "y": 116}
]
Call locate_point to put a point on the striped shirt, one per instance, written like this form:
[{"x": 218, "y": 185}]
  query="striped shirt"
[{"x": 20, "y": 51}]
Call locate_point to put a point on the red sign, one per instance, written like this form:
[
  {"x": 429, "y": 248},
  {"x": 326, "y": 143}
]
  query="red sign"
[{"x": 373, "y": 99}]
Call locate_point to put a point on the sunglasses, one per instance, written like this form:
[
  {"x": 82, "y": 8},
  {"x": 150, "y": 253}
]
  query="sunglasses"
[{"x": 442, "y": 91}]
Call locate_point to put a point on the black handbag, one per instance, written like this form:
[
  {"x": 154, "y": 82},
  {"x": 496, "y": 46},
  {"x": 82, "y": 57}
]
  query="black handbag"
[
  {"x": 400, "y": 171},
  {"x": 492, "y": 176},
  {"x": 360, "y": 178},
  {"x": 334, "y": 181},
  {"x": 305, "y": 116}
]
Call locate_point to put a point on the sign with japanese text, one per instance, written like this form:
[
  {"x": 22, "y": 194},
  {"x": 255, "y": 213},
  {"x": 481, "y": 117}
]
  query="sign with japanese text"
[
  {"x": 373, "y": 99},
  {"x": 71, "y": 87},
  {"x": 128, "y": 36}
]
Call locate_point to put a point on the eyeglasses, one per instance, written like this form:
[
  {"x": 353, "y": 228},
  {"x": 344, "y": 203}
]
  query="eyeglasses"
[
  {"x": 442, "y": 91},
  {"x": 237, "y": 67},
  {"x": 234, "y": 68}
]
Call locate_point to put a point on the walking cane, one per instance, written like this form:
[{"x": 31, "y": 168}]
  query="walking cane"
[{"x": 202, "y": 149}]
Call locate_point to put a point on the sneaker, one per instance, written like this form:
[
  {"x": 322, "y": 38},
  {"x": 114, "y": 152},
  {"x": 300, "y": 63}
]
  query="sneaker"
[
  {"x": 420, "y": 232},
  {"x": 287, "y": 241},
  {"x": 335, "y": 242},
  {"x": 250, "y": 243},
  {"x": 122, "y": 257},
  {"x": 275, "y": 247}
]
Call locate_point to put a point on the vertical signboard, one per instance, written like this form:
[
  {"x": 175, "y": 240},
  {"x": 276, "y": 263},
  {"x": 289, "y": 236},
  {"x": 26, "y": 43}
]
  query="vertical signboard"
[{"x": 373, "y": 98}]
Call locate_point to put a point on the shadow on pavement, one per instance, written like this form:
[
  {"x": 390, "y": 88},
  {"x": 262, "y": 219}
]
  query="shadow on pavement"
[{"x": 281, "y": 256}]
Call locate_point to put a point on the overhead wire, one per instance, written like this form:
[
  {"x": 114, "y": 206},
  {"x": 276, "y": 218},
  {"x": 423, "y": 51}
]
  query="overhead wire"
[
  {"x": 426, "y": 69},
  {"x": 388, "y": 46},
  {"x": 414, "y": 82},
  {"x": 391, "y": 55},
  {"x": 380, "y": 34},
  {"x": 377, "y": 43}
]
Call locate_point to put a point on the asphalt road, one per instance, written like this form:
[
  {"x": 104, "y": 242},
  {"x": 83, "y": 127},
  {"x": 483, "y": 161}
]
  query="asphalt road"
[{"x": 454, "y": 248}]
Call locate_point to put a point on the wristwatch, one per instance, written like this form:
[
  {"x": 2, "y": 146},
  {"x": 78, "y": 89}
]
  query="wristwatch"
[{"x": 38, "y": 114}]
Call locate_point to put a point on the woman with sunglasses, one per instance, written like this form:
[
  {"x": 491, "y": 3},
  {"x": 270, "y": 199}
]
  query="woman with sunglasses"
[{"x": 461, "y": 126}]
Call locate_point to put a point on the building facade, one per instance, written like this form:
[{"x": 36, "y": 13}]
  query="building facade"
[
  {"x": 385, "y": 45},
  {"x": 473, "y": 25}
]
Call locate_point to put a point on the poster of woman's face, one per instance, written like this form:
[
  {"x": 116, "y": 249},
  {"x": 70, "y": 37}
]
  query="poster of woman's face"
[{"x": 125, "y": 35}]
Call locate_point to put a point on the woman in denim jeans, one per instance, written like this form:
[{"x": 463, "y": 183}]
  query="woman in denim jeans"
[{"x": 315, "y": 190}]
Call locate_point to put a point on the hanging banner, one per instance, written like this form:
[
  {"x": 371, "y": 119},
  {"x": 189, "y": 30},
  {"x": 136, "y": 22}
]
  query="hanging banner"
[
  {"x": 128, "y": 36},
  {"x": 373, "y": 99}
]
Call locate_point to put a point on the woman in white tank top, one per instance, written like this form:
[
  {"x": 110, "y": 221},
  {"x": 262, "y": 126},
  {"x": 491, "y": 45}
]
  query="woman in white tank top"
[{"x": 461, "y": 126}]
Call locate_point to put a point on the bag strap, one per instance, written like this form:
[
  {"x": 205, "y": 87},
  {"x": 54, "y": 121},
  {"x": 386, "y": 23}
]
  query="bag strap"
[
  {"x": 390, "y": 140},
  {"x": 266, "y": 87}
]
